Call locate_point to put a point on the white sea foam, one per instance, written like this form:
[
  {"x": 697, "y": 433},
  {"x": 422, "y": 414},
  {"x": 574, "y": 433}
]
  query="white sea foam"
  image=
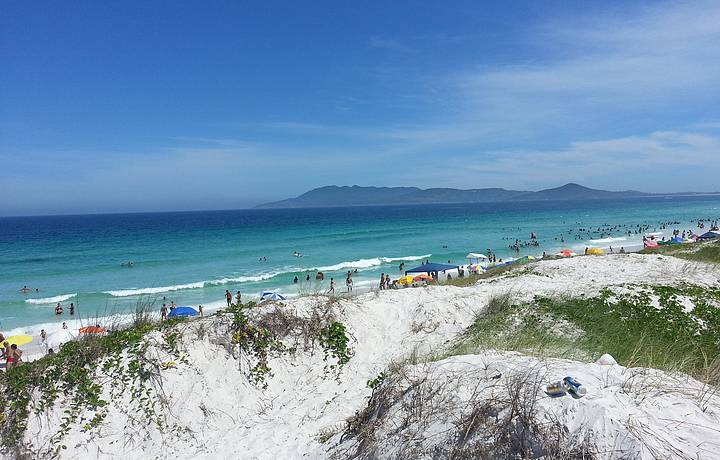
[
  {"x": 47, "y": 300},
  {"x": 248, "y": 279},
  {"x": 608, "y": 240},
  {"x": 368, "y": 263},
  {"x": 154, "y": 290},
  {"x": 406, "y": 258}
]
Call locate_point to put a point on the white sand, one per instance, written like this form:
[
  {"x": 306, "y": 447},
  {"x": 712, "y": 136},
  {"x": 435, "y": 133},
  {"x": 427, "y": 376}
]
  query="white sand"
[{"x": 231, "y": 418}]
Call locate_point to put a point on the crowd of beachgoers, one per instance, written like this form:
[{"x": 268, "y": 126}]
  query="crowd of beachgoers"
[{"x": 652, "y": 236}]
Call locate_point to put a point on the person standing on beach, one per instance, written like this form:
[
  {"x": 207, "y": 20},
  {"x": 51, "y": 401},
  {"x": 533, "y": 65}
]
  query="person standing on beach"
[
  {"x": 228, "y": 297},
  {"x": 349, "y": 282},
  {"x": 13, "y": 356},
  {"x": 332, "y": 286},
  {"x": 238, "y": 298},
  {"x": 200, "y": 309},
  {"x": 382, "y": 281},
  {"x": 64, "y": 326},
  {"x": 43, "y": 338},
  {"x": 5, "y": 350},
  {"x": 163, "y": 312}
]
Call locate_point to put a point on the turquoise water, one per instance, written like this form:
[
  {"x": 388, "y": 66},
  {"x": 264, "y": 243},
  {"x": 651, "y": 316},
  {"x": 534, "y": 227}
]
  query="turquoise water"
[{"x": 191, "y": 258}]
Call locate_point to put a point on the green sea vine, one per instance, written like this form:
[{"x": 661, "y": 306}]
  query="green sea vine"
[{"x": 335, "y": 340}]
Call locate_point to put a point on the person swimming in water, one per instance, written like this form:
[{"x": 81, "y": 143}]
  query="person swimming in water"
[{"x": 25, "y": 290}]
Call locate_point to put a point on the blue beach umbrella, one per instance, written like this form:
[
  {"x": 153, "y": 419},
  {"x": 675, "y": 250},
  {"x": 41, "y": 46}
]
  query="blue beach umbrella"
[
  {"x": 269, "y": 295},
  {"x": 183, "y": 311},
  {"x": 709, "y": 235}
]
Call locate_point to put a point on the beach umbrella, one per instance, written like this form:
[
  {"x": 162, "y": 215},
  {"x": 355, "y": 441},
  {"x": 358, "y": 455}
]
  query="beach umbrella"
[
  {"x": 566, "y": 253},
  {"x": 651, "y": 244},
  {"x": 476, "y": 255},
  {"x": 18, "y": 340},
  {"x": 57, "y": 338},
  {"x": 423, "y": 277},
  {"x": 595, "y": 251},
  {"x": 269, "y": 295},
  {"x": 709, "y": 235},
  {"x": 178, "y": 312},
  {"x": 92, "y": 330},
  {"x": 406, "y": 280}
]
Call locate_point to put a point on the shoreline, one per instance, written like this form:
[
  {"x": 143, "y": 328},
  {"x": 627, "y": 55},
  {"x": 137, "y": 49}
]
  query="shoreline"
[{"x": 36, "y": 350}]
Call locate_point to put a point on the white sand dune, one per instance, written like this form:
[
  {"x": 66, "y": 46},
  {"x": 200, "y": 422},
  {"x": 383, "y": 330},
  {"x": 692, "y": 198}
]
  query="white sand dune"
[{"x": 228, "y": 417}]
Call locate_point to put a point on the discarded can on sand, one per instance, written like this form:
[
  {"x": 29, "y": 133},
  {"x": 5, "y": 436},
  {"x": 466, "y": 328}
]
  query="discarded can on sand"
[
  {"x": 556, "y": 389},
  {"x": 575, "y": 388}
]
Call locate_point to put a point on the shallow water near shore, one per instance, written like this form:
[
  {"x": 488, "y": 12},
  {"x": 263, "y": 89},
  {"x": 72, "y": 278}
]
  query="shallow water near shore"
[{"x": 192, "y": 257}]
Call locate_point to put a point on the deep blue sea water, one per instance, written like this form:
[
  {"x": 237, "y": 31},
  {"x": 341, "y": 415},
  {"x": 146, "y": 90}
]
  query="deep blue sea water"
[{"x": 192, "y": 257}]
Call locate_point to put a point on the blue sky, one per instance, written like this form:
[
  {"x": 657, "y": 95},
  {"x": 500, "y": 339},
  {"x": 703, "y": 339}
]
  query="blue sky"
[{"x": 132, "y": 106}]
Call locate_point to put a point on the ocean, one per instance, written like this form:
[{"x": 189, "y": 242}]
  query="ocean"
[{"x": 191, "y": 258}]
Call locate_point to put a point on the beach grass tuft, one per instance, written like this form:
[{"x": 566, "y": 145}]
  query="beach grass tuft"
[{"x": 647, "y": 327}]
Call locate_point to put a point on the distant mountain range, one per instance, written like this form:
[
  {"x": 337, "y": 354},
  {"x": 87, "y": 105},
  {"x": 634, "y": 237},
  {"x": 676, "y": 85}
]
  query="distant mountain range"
[{"x": 335, "y": 196}]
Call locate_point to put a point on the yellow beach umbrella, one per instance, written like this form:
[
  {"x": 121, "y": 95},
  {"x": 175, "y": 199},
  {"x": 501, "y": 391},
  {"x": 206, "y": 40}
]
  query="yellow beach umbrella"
[
  {"x": 406, "y": 280},
  {"x": 17, "y": 340},
  {"x": 595, "y": 251}
]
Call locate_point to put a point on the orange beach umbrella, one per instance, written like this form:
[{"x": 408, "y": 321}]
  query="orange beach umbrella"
[
  {"x": 423, "y": 277},
  {"x": 92, "y": 330}
]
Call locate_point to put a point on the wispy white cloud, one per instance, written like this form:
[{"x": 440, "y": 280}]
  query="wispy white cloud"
[
  {"x": 648, "y": 162},
  {"x": 663, "y": 57}
]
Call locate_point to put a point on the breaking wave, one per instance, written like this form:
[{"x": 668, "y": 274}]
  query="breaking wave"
[
  {"x": 46, "y": 300},
  {"x": 361, "y": 264}
]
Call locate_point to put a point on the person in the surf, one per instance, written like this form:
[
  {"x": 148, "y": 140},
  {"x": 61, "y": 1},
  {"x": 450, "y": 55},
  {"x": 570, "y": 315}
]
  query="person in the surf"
[
  {"x": 72, "y": 308},
  {"x": 295, "y": 280},
  {"x": 25, "y": 290},
  {"x": 59, "y": 309}
]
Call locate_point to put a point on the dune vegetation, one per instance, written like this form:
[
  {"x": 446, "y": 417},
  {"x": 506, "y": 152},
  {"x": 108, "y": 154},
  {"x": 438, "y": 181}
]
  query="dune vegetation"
[{"x": 673, "y": 328}]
